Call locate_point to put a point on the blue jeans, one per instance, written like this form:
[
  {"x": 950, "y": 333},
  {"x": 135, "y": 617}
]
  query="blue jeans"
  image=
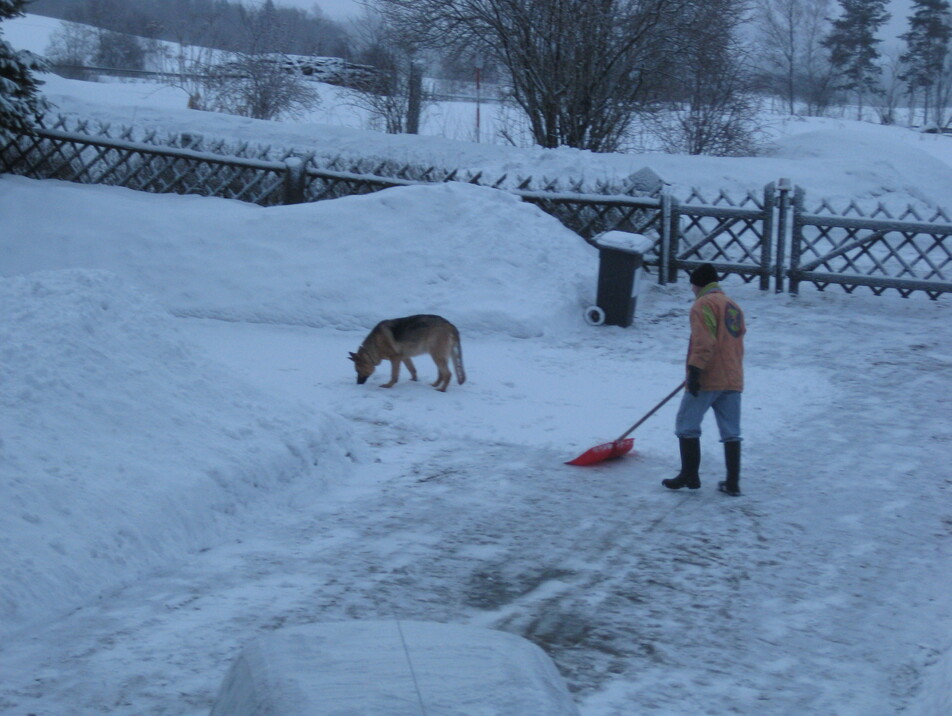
[{"x": 726, "y": 404}]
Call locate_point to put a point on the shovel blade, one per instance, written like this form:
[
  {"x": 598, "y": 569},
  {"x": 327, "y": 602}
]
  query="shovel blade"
[{"x": 605, "y": 451}]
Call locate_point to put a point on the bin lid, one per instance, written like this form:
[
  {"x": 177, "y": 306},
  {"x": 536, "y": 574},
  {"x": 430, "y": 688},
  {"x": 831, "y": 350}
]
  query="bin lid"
[
  {"x": 645, "y": 180},
  {"x": 624, "y": 241}
]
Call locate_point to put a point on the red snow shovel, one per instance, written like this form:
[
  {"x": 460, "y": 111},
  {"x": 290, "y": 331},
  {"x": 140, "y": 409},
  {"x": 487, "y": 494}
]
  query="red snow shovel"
[{"x": 621, "y": 446}]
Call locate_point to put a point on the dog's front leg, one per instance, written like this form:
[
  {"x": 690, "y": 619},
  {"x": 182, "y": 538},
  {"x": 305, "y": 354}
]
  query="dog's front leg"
[
  {"x": 410, "y": 367},
  {"x": 394, "y": 373}
]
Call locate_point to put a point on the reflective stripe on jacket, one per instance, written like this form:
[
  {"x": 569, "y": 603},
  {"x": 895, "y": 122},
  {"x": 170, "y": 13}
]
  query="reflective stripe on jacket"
[{"x": 717, "y": 340}]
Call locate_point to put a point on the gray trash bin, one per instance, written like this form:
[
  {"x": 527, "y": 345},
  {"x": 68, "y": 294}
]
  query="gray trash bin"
[{"x": 620, "y": 273}]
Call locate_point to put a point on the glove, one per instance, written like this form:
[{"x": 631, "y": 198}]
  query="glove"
[{"x": 694, "y": 380}]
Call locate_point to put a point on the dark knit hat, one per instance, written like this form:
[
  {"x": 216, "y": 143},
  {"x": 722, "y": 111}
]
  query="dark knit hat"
[{"x": 703, "y": 275}]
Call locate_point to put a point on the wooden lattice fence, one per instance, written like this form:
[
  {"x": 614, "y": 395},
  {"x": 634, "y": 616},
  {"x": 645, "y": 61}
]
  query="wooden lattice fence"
[
  {"x": 768, "y": 237},
  {"x": 736, "y": 236},
  {"x": 851, "y": 248}
]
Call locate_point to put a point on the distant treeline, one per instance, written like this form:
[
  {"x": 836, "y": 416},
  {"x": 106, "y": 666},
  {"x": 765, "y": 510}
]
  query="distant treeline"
[{"x": 210, "y": 23}]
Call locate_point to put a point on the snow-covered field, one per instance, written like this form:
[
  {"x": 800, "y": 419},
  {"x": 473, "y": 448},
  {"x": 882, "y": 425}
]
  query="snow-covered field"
[{"x": 186, "y": 461}]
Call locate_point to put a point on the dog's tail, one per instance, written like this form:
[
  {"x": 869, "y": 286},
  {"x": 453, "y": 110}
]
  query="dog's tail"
[{"x": 458, "y": 358}]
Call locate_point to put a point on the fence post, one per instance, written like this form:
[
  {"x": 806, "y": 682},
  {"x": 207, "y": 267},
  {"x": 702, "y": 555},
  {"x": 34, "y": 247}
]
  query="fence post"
[
  {"x": 663, "y": 254},
  {"x": 766, "y": 241},
  {"x": 796, "y": 237},
  {"x": 674, "y": 239},
  {"x": 782, "y": 215},
  {"x": 294, "y": 180}
]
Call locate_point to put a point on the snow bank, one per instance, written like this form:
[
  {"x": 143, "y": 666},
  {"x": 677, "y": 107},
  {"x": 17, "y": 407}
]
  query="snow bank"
[
  {"x": 122, "y": 447},
  {"x": 391, "y": 668},
  {"x": 481, "y": 257}
]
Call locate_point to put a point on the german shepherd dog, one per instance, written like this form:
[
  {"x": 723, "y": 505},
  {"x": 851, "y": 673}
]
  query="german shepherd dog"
[{"x": 398, "y": 339}]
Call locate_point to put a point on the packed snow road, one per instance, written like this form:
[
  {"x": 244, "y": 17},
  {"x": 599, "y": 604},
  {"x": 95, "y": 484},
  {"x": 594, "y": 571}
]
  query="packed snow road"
[{"x": 823, "y": 590}]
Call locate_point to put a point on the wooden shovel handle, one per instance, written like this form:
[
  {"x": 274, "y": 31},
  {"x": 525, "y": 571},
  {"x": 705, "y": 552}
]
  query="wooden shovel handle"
[{"x": 652, "y": 411}]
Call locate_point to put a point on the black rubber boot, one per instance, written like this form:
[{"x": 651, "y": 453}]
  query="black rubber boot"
[
  {"x": 731, "y": 486},
  {"x": 690, "y": 462}
]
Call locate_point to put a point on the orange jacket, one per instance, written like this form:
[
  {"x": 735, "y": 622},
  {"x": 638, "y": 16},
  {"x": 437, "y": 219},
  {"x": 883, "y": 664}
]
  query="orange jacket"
[{"x": 717, "y": 340}]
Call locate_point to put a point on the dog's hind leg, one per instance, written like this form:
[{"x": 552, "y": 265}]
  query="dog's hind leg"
[
  {"x": 410, "y": 367},
  {"x": 443, "y": 380}
]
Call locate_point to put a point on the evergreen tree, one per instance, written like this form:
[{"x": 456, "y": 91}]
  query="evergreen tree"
[
  {"x": 853, "y": 46},
  {"x": 927, "y": 46},
  {"x": 20, "y": 101}
]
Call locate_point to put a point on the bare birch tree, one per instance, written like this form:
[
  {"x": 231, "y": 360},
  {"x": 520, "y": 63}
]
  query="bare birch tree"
[
  {"x": 789, "y": 34},
  {"x": 714, "y": 110},
  {"x": 72, "y": 46},
  {"x": 892, "y": 86},
  {"x": 256, "y": 82},
  {"x": 395, "y": 101}
]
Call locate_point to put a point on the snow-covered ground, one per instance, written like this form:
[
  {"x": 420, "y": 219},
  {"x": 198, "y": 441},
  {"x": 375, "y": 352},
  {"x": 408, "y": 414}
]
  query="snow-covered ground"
[{"x": 186, "y": 461}]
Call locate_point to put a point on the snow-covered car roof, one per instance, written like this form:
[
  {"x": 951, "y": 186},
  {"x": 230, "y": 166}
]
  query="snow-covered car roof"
[{"x": 392, "y": 668}]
